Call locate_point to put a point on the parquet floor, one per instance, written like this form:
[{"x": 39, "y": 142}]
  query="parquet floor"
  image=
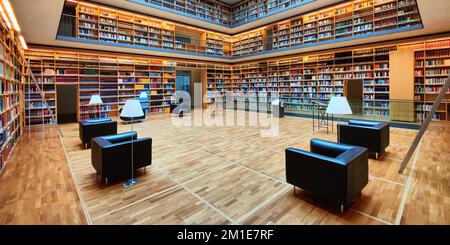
[
  {"x": 232, "y": 175},
  {"x": 36, "y": 186}
]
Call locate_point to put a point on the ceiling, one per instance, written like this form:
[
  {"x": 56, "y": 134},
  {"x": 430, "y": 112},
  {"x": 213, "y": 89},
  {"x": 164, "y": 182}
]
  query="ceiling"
[{"x": 39, "y": 20}]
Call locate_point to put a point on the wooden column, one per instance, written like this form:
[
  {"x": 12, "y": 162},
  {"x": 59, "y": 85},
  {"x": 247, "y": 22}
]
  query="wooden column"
[
  {"x": 203, "y": 79},
  {"x": 401, "y": 88}
]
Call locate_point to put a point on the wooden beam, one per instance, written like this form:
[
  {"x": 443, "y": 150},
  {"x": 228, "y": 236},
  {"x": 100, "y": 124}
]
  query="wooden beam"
[{"x": 424, "y": 127}]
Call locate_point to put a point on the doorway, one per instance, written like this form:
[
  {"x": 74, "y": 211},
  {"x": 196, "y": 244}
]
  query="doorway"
[
  {"x": 66, "y": 103},
  {"x": 183, "y": 82},
  {"x": 354, "y": 90}
]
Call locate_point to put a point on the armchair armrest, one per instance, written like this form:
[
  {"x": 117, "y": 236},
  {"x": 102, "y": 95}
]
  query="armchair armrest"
[
  {"x": 353, "y": 154},
  {"x": 321, "y": 175},
  {"x": 97, "y": 146},
  {"x": 118, "y": 156}
]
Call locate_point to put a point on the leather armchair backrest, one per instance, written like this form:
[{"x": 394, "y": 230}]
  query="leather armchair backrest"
[
  {"x": 327, "y": 148},
  {"x": 113, "y": 139},
  {"x": 96, "y": 121},
  {"x": 363, "y": 123}
]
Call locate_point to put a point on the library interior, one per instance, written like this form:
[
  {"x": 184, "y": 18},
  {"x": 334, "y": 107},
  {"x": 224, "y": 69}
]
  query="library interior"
[{"x": 199, "y": 112}]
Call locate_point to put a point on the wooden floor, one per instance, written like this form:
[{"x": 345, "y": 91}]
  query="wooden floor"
[
  {"x": 36, "y": 186},
  {"x": 232, "y": 175}
]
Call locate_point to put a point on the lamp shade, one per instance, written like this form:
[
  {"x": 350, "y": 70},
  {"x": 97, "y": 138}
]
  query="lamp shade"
[
  {"x": 95, "y": 100},
  {"x": 143, "y": 95},
  {"x": 132, "y": 108},
  {"x": 339, "y": 105}
]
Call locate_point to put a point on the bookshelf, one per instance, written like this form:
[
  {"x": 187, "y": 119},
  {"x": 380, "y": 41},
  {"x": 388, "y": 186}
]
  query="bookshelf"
[
  {"x": 351, "y": 19},
  {"x": 224, "y": 14},
  {"x": 98, "y": 23},
  {"x": 105, "y": 24},
  {"x": 115, "y": 78},
  {"x": 250, "y": 10},
  {"x": 248, "y": 43},
  {"x": 217, "y": 44},
  {"x": 432, "y": 66},
  {"x": 218, "y": 80},
  {"x": 354, "y": 18},
  {"x": 12, "y": 81},
  {"x": 304, "y": 78},
  {"x": 45, "y": 74},
  {"x": 205, "y": 9}
]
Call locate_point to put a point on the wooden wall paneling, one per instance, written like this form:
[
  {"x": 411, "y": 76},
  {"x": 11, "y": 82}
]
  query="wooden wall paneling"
[{"x": 401, "y": 70}]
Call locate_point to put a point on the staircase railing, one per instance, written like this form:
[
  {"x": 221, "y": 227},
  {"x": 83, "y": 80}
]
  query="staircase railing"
[
  {"x": 39, "y": 90},
  {"x": 424, "y": 127}
]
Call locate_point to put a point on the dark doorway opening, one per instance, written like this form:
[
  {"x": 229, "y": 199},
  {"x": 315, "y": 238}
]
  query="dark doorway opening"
[
  {"x": 66, "y": 103},
  {"x": 183, "y": 82},
  {"x": 354, "y": 90}
]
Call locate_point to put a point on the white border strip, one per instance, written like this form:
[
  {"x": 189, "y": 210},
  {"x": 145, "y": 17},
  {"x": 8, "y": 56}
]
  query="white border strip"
[
  {"x": 263, "y": 204},
  {"x": 176, "y": 185},
  {"x": 387, "y": 180},
  {"x": 401, "y": 208},
  {"x": 373, "y": 217},
  {"x": 75, "y": 181}
]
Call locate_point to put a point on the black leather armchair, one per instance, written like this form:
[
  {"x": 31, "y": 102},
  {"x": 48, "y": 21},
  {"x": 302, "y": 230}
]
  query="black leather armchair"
[
  {"x": 111, "y": 155},
  {"x": 334, "y": 172},
  {"x": 374, "y": 136},
  {"x": 89, "y": 129}
]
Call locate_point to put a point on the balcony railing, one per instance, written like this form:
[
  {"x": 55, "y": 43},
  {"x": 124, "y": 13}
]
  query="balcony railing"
[{"x": 402, "y": 112}]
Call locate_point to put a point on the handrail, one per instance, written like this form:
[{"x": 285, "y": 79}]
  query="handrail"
[
  {"x": 43, "y": 97},
  {"x": 424, "y": 127}
]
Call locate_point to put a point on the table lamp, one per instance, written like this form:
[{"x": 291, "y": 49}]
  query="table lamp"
[
  {"x": 132, "y": 109},
  {"x": 96, "y": 100},
  {"x": 143, "y": 95},
  {"x": 339, "y": 105}
]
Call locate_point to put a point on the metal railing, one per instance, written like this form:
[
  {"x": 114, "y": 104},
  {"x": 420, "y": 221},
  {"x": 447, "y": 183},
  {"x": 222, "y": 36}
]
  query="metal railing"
[{"x": 402, "y": 112}]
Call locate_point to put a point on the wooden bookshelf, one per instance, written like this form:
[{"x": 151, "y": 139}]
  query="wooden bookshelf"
[
  {"x": 105, "y": 24},
  {"x": 351, "y": 19},
  {"x": 95, "y": 22},
  {"x": 115, "y": 78},
  {"x": 224, "y": 14},
  {"x": 432, "y": 66},
  {"x": 248, "y": 43},
  {"x": 249, "y": 10},
  {"x": 355, "y": 18},
  {"x": 12, "y": 82},
  {"x": 218, "y": 80},
  {"x": 206, "y": 9},
  {"x": 45, "y": 74},
  {"x": 217, "y": 44},
  {"x": 301, "y": 79}
]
